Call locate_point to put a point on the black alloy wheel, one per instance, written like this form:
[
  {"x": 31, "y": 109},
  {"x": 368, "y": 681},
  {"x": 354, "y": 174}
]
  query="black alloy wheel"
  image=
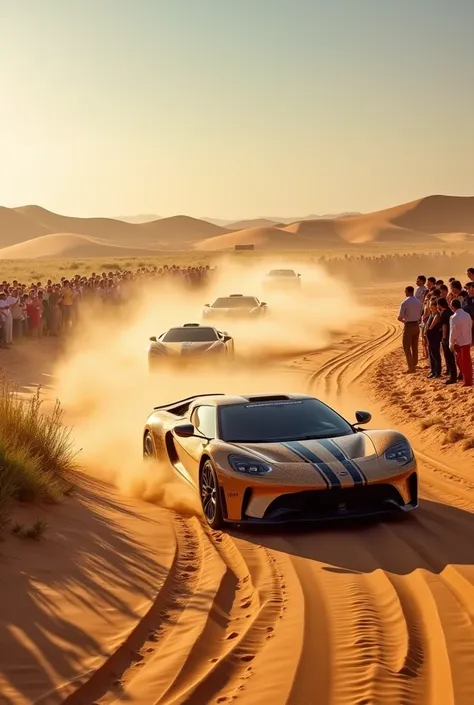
[{"x": 210, "y": 496}]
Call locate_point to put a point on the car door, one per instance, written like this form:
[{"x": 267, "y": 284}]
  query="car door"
[{"x": 189, "y": 450}]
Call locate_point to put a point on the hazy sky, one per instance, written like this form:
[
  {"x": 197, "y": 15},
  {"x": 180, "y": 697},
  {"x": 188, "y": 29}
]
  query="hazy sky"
[{"x": 232, "y": 108}]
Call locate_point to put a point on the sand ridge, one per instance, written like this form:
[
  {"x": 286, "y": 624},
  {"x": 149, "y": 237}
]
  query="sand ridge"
[{"x": 430, "y": 220}]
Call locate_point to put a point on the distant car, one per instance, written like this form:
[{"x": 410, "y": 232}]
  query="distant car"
[
  {"x": 277, "y": 458},
  {"x": 189, "y": 342},
  {"x": 235, "y": 306},
  {"x": 282, "y": 279}
]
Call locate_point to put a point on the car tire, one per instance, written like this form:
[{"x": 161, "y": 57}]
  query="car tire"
[
  {"x": 149, "y": 450},
  {"x": 210, "y": 494}
]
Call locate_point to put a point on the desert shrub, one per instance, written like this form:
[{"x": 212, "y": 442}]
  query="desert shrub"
[
  {"x": 468, "y": 443},
  {"x": 430, "y": 421},
  {"x": 454, "y": 435},
  {"x": 36, "y": 450}
]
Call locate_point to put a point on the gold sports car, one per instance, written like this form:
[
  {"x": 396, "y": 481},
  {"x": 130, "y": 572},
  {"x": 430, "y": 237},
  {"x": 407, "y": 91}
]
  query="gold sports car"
[{"x": 281, "y": 458}]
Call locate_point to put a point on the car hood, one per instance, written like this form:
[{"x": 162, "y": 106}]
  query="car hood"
[
  {"x": 189, "y": 347},
  {"x": 343, "y": 461},
  {"x": 354, "y": 447}
]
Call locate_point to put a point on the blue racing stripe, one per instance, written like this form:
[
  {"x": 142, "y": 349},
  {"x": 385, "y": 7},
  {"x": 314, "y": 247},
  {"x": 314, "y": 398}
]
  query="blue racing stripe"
[
  {"x": 356, "y": 473},
  {"x": 323, "y": 468}
]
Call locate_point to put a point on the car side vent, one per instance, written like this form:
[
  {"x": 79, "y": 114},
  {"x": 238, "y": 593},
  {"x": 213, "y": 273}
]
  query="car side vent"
[{"x": 276, "y": 397}]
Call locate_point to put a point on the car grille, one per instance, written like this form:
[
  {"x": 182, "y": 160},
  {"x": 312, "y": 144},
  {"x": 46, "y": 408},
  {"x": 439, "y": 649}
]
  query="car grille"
[{"x": 348, "y": 501}]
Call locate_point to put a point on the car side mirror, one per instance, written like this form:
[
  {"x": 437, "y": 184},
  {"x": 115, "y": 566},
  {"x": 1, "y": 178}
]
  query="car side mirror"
[
  {"x": 263, "y": 303},
  {"x": 185, "y": 430},
  {"x": 299, "y": 275},
  {"x": 363, "y": 417},
  {"x": 153, "y": 338},
  {"x": 206, "y": 305},
  {"x": 227, "y": 338}
]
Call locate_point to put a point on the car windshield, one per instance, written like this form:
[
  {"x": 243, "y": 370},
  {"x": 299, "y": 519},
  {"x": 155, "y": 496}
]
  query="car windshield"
[
  {"x": 190, "y": 335},
  {"x": 235, "y": 302},
  {"x": 282, "y": 273},
  {"x": 276, "y": 421}
]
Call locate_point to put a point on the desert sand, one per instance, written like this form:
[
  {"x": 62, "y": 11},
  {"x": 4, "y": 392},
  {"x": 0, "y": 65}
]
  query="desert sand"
[
  {"x": 127, "y": 600},
  {"x": 431, "y": 221}
]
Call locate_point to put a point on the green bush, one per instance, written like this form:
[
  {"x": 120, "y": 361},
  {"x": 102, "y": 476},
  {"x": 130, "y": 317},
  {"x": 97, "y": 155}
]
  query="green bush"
[{"x": 36, "y": 450}]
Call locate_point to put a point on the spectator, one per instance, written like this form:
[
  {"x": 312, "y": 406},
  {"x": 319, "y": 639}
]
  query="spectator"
[
  {"x": 18, "y": 316},
  {"x": 445, "y": 317},
  {"x": 434, "y": 335},
  {"x": 410, "y": 315},
  {"x": 460, "y": 340},
  {"x": 421, "y": 288}
]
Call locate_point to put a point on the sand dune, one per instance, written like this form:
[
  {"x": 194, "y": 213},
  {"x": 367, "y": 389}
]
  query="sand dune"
[
  {"x": 415, "y": 222},
  {"x": 176, "y": 231},
  {"x": 443, "y": 218},
  {"x": 321, "y": 231},
  {"x": 16, "y": 226},
  {"x": 262, "y": 238},
  {"x": 70, "y": 245},
  {"x": 253, "y": 223},
  {"x": 181, "y": 230}
]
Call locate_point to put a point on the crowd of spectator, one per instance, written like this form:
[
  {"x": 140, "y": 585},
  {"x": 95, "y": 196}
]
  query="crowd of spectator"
[
  {"x": 360, "y": 269},
  {"x": 443, "y": 313},
  {"x": 53, "y": 308}
]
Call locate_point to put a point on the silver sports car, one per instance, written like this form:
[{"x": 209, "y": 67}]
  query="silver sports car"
[
  {"x": 235, "y": 306},
  {"x": 189, "y": 342}
]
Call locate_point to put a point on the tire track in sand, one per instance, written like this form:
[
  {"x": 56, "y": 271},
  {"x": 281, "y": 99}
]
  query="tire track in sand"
[
  {"x": 377, "y": 614},
  {"x": 436, "y": 596}
]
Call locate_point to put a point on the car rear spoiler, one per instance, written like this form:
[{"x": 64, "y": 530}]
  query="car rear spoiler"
[{"x": 163, "y": 407}]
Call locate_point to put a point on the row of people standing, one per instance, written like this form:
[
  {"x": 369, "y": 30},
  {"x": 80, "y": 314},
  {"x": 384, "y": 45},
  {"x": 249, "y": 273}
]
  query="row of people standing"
[{"x": 445, "y": 316}]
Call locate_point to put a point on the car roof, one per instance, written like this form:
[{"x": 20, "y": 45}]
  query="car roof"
[
  {"x": 278, "y": 271},
  {"x": 186, "y": 326},
  {"x": 237, "y": 296},
  {"x": 229, "y": 399}
]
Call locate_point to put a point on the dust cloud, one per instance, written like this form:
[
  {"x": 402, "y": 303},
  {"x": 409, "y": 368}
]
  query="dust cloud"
[{"x": 104, "y": 384}]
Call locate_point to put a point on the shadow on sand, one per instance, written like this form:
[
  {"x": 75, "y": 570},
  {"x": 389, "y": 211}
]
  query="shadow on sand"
[
  {"x": 431, "y": 537},
  {"x": 90, "y": 560}
]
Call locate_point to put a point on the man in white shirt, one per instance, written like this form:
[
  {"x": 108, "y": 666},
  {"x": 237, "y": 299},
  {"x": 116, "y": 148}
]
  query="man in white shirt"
[
  {"x": 460, "y": 340},
  {"x": 410, "y": 315},
  {"x": 421, "y": 288}
]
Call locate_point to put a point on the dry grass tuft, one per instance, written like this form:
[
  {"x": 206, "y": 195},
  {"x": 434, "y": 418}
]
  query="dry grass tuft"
[
  {"x": 468, "y": 443},
  {"x": 36, "y": 451},
  {"x": 454, "y": 435},
  {"x": 430, "y": 422}
]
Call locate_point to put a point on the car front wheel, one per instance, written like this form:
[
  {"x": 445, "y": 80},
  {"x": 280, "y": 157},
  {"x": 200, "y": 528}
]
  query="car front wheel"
[
  {"x": 210, "y": 496},
  {"x": 149, "y": 452}
]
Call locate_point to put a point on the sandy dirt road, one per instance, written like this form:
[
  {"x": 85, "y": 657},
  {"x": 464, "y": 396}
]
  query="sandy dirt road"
[
  {"x": 367, "y": 614},
  {"x": 354, "y": 615}
]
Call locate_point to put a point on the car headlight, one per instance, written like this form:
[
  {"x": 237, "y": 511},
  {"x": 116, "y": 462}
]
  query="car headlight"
[
  {"x": 400, "y": 451},
  {"x": 248, "y": 466}
]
